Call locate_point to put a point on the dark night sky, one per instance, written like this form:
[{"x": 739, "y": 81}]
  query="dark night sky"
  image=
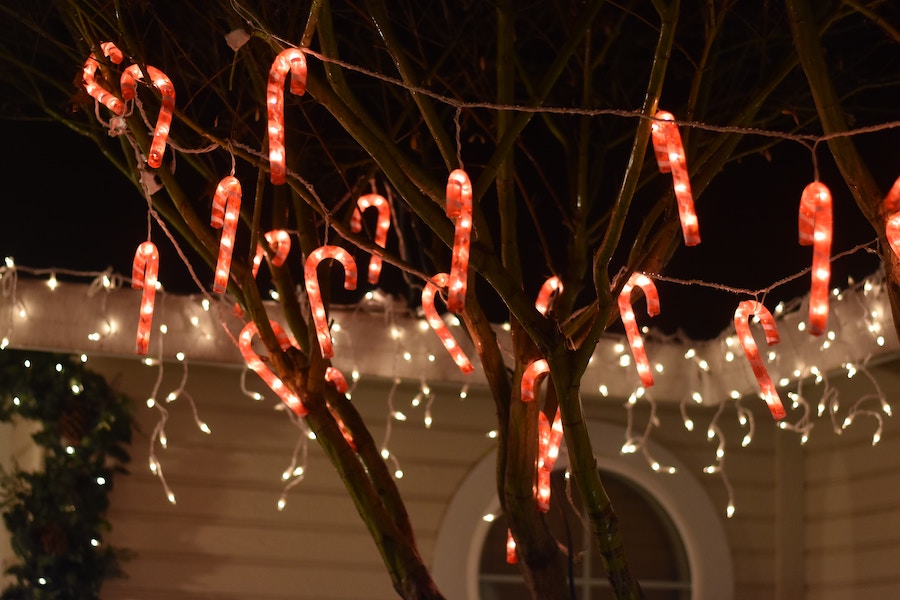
[{"x": 66, "y": 208}]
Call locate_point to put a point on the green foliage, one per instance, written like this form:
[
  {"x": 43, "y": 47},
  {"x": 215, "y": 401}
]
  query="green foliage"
[{"x": 56, "y": 516}]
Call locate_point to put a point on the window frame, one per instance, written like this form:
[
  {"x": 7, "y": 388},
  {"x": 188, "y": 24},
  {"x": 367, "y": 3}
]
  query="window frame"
[{"x": 462, "y": 531}]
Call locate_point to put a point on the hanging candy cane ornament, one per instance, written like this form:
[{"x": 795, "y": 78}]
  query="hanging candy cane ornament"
[
  {"x": 144, "y": 272},
  {"x": 892, "y": 210},
  {"x": 437, "y": 323},
  {"x": 164, "y": 120},
  {"x": 226, "y": 209},
  {"x": 670, "y": 158},
  {"x": 744, "y": 311},
  {"x": 641, "y": 363},
  {"x": 337, "y": 379},
  {"x": 292, "y": 60},
  {"x": 553, "y": 284},
  {"x": 546, "y": 435},
  {"x": 459, "y": 208},
  {"x": 255, "y": 363},
  {"x": 280, "y": 242},
  {"x": 381, "y": 229},
  {"x": 93, "y": 88},
  {"x": 511, "y": 557},
  {"x": 315, "y": 296},
  {"x": 815, "y": 226}
]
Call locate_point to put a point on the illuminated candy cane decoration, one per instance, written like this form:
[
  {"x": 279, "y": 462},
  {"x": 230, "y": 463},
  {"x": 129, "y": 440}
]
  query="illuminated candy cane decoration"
[
  {"x": 280, "y": 241},
  {"x": 245, "y": 341},
  {"x": 892, "y": 208},
  {"x": 381, "y": 229},
  {"x": 742, "y": 327},
  {"x": 226, "y": 209},
  {"x": 337, "y": 379},
  {"x": 550, "y": 286},
  {"x": 546, "y": 434},
  {"x": 550, "y": 437},
  {"x": 815, "y": 228},
  {"x": 144, "y": 275},
  {"x": 93, "y": 88},
  {"x": 315, "y": 296},
  {"x": 164, "y": 120},
  {"x": 437, "y": 323},
  {"x": 641, "y": 363},
  {"x": 670, "y": 157},
  {"x": 511, "y": 557},
  {"x": 292, "y": 60},
  {"x": 459, "y": 208}
]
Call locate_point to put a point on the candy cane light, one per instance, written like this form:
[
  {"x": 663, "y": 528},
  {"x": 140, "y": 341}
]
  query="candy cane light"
[
  {"x": 742, "y": 315},
  {"x": 892, "y": 217},
  {"x": 337, "y": 379},
  {"x": 316, "y": 306},
  {"x": 280, "y": 242},
  {"x": 815, "y": 228},
  {"x": 256, "y": 364},
  {"x": 437, "y": 323},
  {"x": 641, "y": 363},
  {"x": 164, "y": 120},
  {"x": 546, "y": 434},
  {"x": 671, "y": 158},
  {"x": 381, "y": 229},
  {"x": 226, "y": 209},
  {"x": 292, "y": 60},
  {"x": 144, "y": 271},
  {"x": 542, "y": 303},
  {"x": 93, "y": 88},
  {"x": 459, "y": 208}
]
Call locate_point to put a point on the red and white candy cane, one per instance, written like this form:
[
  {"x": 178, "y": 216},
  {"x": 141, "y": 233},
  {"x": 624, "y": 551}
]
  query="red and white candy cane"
[
  {"x": 533, "y": 371},
  {"x": 381, "y": 229},
  {"x": 551, "y": 286},
  {"x": 337, "y": 379},
  {"x": 93, "y": 88},
  {"x": 255, "y": 363},
  {"x": 292, "y": 60},
  {"x": 641, "y": 363},
  {"x": 144, "y": 273},
  {"x": 311, "y": 276},
  {"x": 550, "y": 438},
  {"x": 164, "y": 120},
  {"x": 742, "y": 315},
  {"x": 459, "y": 208},
  {"x": 815, "y": 226},
  {"x": 437, "y": 323},
  {"x": 226, "y": 210},
  {"x": 670, "y": 157},
  {"x": 511, "y": 557},
  {"x": 892, "y": 216},
  {"x": 280, "y": 242}
]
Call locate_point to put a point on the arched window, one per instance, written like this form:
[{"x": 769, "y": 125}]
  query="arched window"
[
  {"x": 456, "y": 564},
  {"x": 655, "y": 551}
]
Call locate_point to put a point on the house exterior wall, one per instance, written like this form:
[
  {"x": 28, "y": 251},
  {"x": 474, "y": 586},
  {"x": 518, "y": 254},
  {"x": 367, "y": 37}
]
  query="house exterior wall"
[{"x": 225, "y": 538}]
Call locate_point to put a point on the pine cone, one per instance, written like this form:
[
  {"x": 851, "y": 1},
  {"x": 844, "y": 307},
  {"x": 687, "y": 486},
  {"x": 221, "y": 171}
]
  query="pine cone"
[
  {"x": 74, "y": 422},
  {"x": 54, "y": 539}
]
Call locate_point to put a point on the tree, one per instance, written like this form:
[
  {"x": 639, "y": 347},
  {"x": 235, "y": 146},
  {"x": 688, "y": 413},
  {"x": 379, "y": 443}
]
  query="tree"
[{"x": 548, "y": 106}]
